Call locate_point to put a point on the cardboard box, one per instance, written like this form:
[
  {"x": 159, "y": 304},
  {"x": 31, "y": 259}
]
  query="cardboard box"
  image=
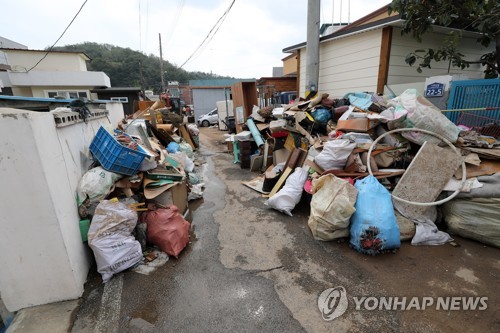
[
  {"x": 177, "y": 196},
  {"x": 356, "y": 125}
]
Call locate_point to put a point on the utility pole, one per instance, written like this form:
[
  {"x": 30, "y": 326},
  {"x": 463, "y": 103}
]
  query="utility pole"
[
  {"x": 143, "y": 86},
  {"x": 161, "y": 68},
  {"x": 312, "y": 62}
]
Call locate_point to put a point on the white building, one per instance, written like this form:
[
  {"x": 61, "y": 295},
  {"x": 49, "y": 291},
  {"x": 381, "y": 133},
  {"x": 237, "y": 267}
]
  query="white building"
[
  {"x": 39, "y": 73},
  {"x": 369, "y": 54}
]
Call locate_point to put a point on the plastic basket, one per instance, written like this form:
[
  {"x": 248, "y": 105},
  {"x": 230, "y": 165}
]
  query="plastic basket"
[{"x": 113, "y": 156}]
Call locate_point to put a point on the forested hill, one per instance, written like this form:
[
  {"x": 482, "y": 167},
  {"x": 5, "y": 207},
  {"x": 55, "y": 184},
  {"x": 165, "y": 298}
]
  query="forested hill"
[{"x": 122, "y": 65}]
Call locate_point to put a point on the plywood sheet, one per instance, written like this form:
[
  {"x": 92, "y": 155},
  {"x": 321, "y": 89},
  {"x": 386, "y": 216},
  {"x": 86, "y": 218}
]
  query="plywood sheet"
[{"x": 485, "y": 152}]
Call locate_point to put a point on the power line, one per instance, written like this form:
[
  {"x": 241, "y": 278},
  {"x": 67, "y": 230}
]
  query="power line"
[
  {"x": 147, "y": 25},
  {"x": 140, "y": 27},
  {"x": 173, "y": 26},
  {"x": 211, "y": 37},
  {"x": 221, "y": 19},
  {"x": 50, "y": 49}
]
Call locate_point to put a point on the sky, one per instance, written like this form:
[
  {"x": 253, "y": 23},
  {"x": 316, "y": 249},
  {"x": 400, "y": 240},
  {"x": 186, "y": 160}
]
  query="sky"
[{"x": 248, "y": 43}]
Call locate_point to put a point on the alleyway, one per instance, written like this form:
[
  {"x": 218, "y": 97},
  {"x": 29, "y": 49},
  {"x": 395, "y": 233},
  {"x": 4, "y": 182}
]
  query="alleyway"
[{"x": 252, "y": 269}]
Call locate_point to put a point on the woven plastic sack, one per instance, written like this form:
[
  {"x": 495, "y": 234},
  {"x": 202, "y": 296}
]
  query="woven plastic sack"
[
  {"x": 110, "y": 238},
  {"x": 167, "y": 229},
  {"x": 477, "y": 218},
  {"x": 373, "y": 226},
  {"x": 332, "y": 205}
]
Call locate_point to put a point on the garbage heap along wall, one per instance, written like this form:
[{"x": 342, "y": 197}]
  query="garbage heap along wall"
[{"x": 42, "y": 257}]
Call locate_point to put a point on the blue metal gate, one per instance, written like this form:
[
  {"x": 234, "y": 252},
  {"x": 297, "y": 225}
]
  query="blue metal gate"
[{"x": 477, "y": 103}]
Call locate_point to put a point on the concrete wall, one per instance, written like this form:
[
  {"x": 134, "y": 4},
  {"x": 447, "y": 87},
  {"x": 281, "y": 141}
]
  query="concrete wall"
[
  {"x": 42, "y": 257},
  {"x": 204, "y": 100}
]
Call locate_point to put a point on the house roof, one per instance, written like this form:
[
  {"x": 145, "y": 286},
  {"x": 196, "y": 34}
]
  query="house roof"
[
  {"x": 350, "y": 30},
  {"x": 375, "y": 20},
  {"x": 44, "y": 51},
  {"x": 372, "y": 17}
]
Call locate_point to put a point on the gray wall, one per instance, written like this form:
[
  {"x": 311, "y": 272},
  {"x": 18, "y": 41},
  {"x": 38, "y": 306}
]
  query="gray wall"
[{"x": 204, "y": 99}]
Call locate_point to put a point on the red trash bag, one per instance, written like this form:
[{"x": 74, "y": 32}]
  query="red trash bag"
[{"x": 167, "y": 229}]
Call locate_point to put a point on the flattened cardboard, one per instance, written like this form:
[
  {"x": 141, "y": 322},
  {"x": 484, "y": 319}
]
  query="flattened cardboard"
[{"x": 151, "y": 192}]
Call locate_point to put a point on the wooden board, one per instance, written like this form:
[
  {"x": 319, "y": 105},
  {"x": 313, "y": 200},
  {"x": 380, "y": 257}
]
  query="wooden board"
[
  {"x": 296, "y": 158},
  {"x": 487, "y": 167},
  {"x": 187, "y": 136},
  {"x": 281, "y": 181},
  {"x": 485, "y": 152}
]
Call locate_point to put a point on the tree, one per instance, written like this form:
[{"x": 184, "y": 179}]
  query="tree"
[
  {"x": 122, "y": 66},
  {"x": 482, "y": 16}
]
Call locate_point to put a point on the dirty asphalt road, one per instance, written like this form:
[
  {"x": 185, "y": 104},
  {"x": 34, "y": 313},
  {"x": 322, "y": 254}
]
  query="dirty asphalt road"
[{"x": 252, "y": 269}]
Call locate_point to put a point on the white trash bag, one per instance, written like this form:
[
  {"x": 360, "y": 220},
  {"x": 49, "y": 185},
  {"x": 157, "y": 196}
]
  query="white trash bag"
[
  {"x": 289, "y": 196},
  {"x": 96, "y": 184},
  {"x": 335, "y": 154}
]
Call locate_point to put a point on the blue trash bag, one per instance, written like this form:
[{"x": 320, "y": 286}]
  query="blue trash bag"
[
  {"x": 373, "y": 226},
  {"x": 173, "y": 147},
  {"x": 321, "y": 115}
]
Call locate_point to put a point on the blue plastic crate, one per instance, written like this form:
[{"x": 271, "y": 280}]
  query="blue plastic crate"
[{"x": 113, "y": 156}]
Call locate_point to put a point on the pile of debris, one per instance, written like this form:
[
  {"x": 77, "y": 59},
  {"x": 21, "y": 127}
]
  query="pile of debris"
[
  {"x": 133, "y": 201},
  {"x": 376, "y": 169}
]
